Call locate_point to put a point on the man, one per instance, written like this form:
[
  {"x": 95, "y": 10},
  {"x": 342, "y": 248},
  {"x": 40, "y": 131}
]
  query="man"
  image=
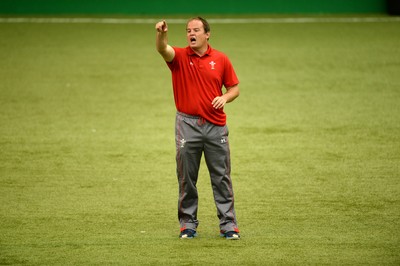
[{"x": 198, "y": 74}]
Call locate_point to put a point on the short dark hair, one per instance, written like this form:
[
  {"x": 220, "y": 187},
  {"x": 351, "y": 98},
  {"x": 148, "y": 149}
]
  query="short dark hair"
[{"x": 205, "y": 23}]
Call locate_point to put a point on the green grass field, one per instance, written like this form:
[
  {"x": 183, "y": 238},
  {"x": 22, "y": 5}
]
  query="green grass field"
[{"x": 87, "y": 162}]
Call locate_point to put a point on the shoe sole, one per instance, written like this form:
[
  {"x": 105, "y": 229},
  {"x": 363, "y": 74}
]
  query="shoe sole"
[
  {"x": 188, "y": 237},
  {"x": 229, "y": 238}
]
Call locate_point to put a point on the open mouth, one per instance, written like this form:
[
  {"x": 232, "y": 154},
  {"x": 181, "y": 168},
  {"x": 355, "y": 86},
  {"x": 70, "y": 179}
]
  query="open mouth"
[{"x": 192, "y": 39}]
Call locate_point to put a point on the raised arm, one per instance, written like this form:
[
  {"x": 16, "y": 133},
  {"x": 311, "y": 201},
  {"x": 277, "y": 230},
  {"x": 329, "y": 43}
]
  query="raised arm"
[{"x": 165, "y": 50}]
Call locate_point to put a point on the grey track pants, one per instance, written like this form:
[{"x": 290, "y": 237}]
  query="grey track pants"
[{"x": 193, "y": 136}]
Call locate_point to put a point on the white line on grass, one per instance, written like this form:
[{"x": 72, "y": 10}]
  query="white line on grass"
[{"x": 211, "y": 20}]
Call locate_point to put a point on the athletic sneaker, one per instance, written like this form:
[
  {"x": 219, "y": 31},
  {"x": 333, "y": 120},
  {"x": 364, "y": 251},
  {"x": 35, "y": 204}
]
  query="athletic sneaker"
[
  {"x": 231, "y": 235},
  {"x": 188, "y": 234}
]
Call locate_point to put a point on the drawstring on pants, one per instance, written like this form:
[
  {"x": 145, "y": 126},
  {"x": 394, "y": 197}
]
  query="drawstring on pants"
[{"x": 201, "y": 121}]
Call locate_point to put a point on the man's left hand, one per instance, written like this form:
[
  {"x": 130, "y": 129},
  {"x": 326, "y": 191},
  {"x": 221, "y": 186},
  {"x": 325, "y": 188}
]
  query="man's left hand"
[{"x": 218, "y": 102}]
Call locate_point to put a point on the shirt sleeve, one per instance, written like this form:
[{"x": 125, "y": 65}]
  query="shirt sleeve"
[
  {"x": 173, "y": 64},
  {"x": 229, "y": 78}
]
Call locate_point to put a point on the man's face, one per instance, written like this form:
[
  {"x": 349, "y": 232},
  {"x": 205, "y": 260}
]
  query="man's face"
[{"x": 196, "y": 37}]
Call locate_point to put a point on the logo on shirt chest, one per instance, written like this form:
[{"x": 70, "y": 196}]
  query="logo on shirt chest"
[
  {"x": 209, "y": 66},
  {"x": 212, "y": 63}
]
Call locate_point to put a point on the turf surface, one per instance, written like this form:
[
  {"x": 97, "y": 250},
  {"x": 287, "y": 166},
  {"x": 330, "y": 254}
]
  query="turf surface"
[{"x": 87, "y": 170}]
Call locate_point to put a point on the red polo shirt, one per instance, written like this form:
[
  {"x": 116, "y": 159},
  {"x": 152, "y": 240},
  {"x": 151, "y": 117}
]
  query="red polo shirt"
[{"x": 198, "y": 80}]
